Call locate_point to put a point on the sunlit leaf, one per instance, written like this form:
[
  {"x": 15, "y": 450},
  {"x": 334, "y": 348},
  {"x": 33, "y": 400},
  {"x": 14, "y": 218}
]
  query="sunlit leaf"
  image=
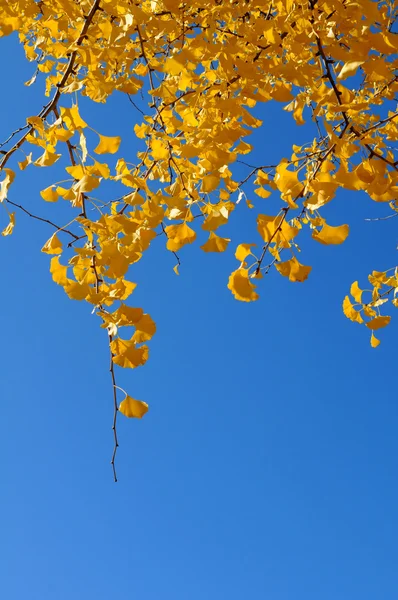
[
  {"x": 241, "y": 286},
  {"x": 107, "y": 145},
  {"x": 133, "y": 408}
]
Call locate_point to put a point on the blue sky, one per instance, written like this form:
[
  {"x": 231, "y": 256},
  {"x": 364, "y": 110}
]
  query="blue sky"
[{"x": 266, "y": 467}]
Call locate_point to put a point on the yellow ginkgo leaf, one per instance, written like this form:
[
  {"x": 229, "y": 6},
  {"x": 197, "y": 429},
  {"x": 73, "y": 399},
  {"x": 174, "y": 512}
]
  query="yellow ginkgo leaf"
[
  {"x": 127, "y": 355},
  {"x": 262, "y": 192},
  {"x": 243, "y": 251},
  {"x": 47, "y": 159},
  {"x": 349, "y": 68},
  {"x": 331, "y": 235},
  {"x": 49, "y": 194},
  {"x": 172, "y": 66},
  {"x": 178, "y": 236},
  {"x": 9, "y": 229},
  {"x": 77, "y": 171},
  {"x": 175, "y": 269},
  {"x": 288, "y": 183},
  {"x": 210, "y": 183},
  {"x": 133, "y": 408},
  {"x": 72, "y": 118},
  {"x": 127, "y": 315},
  {"x": 159, "y": 149},
  {"x": 144, "y": 329},
  {"x": 5, "y": 184},
  {"x": 24, "y": 163},
  {"x": 215, "y": 243},
  {"x": 86, "y": 184},
  {"x": 350, "y": 312},
  {"x": 294, "y": 270},
  {"x": 58, "y": 271},
  {"x": 53, "y": 245},
  {"x": 241, "y": 286},
  {"x": 356, "y": 291},
  {"x": 63, "y": 135},
  {"x": 108, "y": 145},
  {"x": 76, "y": 290},
  {"x": 374, "y": 342},
  {"x": 378, "y": 323}
]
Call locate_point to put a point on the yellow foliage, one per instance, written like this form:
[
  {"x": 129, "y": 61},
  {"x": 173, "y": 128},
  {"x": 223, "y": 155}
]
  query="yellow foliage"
[{"x": 201, "y": 92}]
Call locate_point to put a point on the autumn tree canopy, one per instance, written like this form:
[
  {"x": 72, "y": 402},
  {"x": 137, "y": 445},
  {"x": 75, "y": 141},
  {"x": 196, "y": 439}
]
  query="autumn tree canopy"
[{"x": 195, "y": 71}]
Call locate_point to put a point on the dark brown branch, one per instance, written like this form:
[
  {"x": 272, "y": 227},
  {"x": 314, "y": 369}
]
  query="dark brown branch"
[
  {"x": 12, "y": 135},
  {"x": 115, "y": 410}
]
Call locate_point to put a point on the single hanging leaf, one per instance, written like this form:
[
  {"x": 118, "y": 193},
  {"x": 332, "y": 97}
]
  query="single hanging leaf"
[
  {"x": 241, "y": 286},
  {"x": 58, "y": 271},
  {"x": 331, "y": 235},
  {"x": 356, "y": 292},
  {"x": 53, "y": 245},
  {"x": 145, "y": 328},
  {"x": 9, "y": 229},
  {"x": 24, "y": 163},
  {"x": 5, "y": 184},
  {"x": 378, "y": 323},
  {"x": 108, "y": 145},
  {"x": 49, "y": 194},
  {"x": 243, "y": 251},
  {"x": 133, "y": 408},
  {"x": 374, "y": 342}
]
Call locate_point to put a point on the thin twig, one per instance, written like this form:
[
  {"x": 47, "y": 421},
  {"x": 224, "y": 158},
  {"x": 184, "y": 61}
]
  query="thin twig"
[
  {"x": 135, "y": 106},
  {"x": 175, "y": 253},
  {"x": 76, "y": 237},
  {"x": 384, "y": 218},
  {"x": 12, "y": 135}
]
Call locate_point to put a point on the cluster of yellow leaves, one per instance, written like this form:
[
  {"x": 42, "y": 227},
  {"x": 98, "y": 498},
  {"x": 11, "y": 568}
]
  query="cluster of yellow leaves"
[
  {"x": 384, "y": 288},
  {"x": 203, "y": 67}
]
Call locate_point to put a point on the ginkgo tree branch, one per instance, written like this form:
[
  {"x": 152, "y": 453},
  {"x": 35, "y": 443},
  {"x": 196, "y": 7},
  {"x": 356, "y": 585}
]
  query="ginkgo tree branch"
[
  {"x": 49, "y": 107},
  {"x": 115, "y": 410},
  {"x": 13, "y": 134}
]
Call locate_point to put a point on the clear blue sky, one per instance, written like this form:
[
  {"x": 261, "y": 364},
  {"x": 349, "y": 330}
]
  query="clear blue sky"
[{"x": 267, "y": 465}]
